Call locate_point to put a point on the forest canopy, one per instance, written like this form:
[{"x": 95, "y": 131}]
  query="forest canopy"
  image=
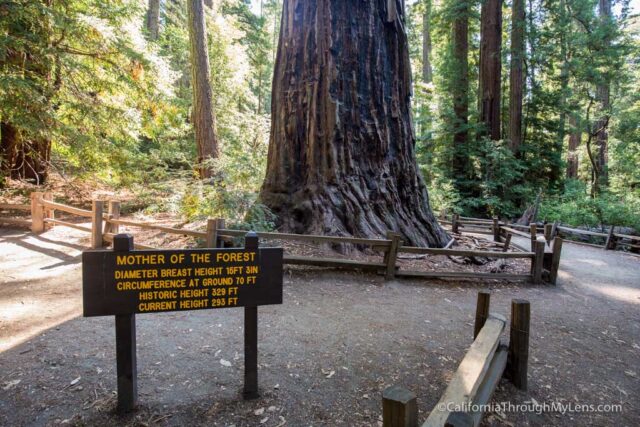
[{"x": 510, "y": 99}]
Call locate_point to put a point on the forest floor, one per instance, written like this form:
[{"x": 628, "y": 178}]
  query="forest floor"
[{"x": 326, "y": 354}]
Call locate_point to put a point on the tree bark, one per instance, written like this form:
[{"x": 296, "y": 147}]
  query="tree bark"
[
  {"x": 556, "y": 166},
  {"x": 574, "y": 142},
  {"x": 603, "y": 97},
  {"x": 427, "y": 71},
  {"x": 460, "y": 92},
  {"x": 516, "y": 78},
  {"x": 203, "y": 113},
  {"x": 153, "y": 19},
  {"x": 341, "y": 155},
  {"x": 490, "y": 67}
]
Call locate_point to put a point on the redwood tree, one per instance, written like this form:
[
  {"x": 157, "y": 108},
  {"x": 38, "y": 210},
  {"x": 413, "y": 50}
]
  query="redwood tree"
[
  {"x": 461, "y": 167},
  {"x": 203, "y": 114},
  {"x": 601, "y": 172},
  {"x": 341, "y": 154},
  {"x": 572, "y": 153},
  {"x": 153, "y": 19},
  {"x": 490, "y": 67},
  {"x": 516, "y": 77}
]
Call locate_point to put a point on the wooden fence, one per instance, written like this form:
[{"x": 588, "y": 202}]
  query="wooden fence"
[
  {"x": 106, "y": 221},
  {"x": 611, "y": 239},
  {"x": 477, "y": 376}
]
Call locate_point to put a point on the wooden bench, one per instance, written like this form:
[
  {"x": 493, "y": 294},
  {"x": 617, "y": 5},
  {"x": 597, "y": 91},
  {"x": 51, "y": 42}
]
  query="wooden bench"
[{"x": 477, "y": 376}]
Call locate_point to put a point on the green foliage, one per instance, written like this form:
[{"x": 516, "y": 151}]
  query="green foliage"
[
  {"x": 570, "y": 51},
  {"x": 577, "y": 208}
]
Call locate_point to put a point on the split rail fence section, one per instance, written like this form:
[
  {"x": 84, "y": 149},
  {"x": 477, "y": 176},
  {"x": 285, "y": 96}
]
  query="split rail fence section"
[
  {"x": 472, "y": 385},
  {"x": 106, "y": 221},
  {"x": 612, "y": 240}
]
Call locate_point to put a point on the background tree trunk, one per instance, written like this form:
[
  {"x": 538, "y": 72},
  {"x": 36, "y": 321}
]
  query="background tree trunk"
[
  {"x": 574, "y": 142},
  {"x": 153, "y": 19},
  {"x": 203, "y": 114},
  {"x": 603, "y": 97},
  {"x": 490, "y": 67},
  {"x": 427, "y": 71},
  {"x": 460, "y": 94},
  {"x": 341, "y": 154},
  {"x": 516, "y": 78}
]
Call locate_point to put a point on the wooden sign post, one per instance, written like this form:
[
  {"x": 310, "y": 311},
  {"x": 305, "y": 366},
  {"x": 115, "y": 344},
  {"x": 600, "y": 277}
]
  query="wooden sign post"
[{"x": 124, "y": 282}]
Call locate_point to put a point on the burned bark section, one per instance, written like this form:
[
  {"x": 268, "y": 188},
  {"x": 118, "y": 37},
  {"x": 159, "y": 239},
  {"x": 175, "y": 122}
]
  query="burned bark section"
[{"x": 341, "y": 155}]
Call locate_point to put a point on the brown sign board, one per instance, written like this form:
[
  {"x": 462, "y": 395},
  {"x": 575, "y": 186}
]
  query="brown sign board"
[{"x": 151, "y": 281}]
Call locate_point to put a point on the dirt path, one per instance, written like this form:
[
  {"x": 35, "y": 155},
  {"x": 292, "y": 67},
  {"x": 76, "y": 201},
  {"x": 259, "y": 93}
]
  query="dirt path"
[{"x": 326, "y": 354}]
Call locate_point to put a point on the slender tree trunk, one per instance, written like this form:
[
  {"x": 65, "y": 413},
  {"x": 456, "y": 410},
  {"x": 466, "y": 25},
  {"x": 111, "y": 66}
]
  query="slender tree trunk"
[
  {"x": 427, "y": 71},
  {"x": 603, "y": 97},
  {"x": 153, "y": 19},
  {"x": 516, "y": 78},
  {"x": 572, "y": 155},
  {"x": 490, "y": 67},
  {"x": 460, "y": 92},
  {"x": 556, "y": 171},
  {"x": 203, "y": 114},
  {"x": 341, "y": 155}
]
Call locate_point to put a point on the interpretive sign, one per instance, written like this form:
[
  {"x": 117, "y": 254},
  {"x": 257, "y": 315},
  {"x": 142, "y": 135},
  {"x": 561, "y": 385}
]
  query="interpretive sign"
[
  {"x": 175, "y": 280},
  {"x": 125, "y": 282}
]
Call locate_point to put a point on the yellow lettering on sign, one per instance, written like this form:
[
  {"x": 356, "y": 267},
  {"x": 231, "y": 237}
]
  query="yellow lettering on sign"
[
  {"x": 137, "y": 259},
  {"x": 194, "y": 303},
  {"x": 235, "y": 256},
  {"x": 157, "y": 306}
]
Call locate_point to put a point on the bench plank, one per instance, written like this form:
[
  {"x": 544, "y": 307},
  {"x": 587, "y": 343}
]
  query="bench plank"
[{"x": 463, "y": 387}]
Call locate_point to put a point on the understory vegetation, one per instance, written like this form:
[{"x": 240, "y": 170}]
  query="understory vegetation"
[{"x": 98, "y": 91}]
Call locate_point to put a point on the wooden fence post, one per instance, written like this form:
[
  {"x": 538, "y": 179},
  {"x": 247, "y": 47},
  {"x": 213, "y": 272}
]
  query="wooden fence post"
[
  {"x": 533, "y": 228},
  {"x": 97, "y": 208},
  {"x": 518, "y": 355},
  {"x": 538, "y": 260},
  {"x": 37, "y": 213},
  {"x": 496, "y": 230},
  {"x": 507, "y": 242},
  {"x": 459, "y": 419},
  {"x": 547, "y": 232},
  {"x": 555, "y": 260},
  {"x": 454, "y": 223},
  {"x": 610, "y": 244},
  {"x": 392, "y": 254},
  {"x": 554, "y": 230},
  {"x": 482, "y": 311},
  {"x": 48, "y": 213},
  {"x": 399, "y": 407},
  {"x": 221, "y": 224},
  {"x": 113, "y": 211},
  {"x": 212, "y": 233}
]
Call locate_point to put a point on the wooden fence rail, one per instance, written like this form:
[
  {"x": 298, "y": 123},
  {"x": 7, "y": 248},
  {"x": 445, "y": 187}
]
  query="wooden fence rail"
[
  {"x": 612, "y": 240},
  {"x": 105, "y": 225},
  {"x": 477, "y": 376}
]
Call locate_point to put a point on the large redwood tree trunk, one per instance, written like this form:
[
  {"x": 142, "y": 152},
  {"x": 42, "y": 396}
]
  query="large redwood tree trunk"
[{"x": 341, "y": 155}]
